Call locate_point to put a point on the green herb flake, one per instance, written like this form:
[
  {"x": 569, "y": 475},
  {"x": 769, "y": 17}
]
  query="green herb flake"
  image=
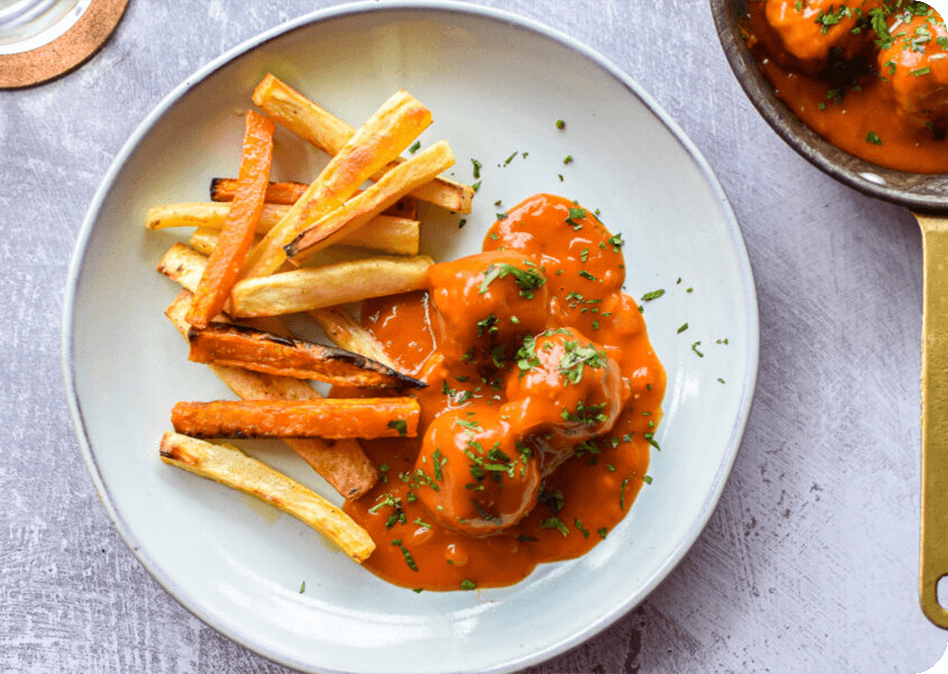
[
  {"x": 653, "y": 295},
  {"x": 529, "y": 279},
  {"x": 560, "y": 124},
  {"x": 873, "y": 137},
  {"x": 468, "y": 584},
  {"x": 303, "y": 587},
  {"x": 409, "y": 560},
  {"x": 682, "y": 328},
  {"x": 415, "y": 147},
  {"x": 399, "y": 425},
  {"x": 477, "y": 168},
  {"x": 555, "y": 523}
]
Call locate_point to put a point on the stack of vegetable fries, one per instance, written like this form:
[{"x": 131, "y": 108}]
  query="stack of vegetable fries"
[{"x": 249, "y": 261}]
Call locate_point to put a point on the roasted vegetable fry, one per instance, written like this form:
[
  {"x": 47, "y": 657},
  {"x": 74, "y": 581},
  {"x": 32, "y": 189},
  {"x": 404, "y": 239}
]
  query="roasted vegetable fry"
[
  {"x": 204, "y": 214},
  {"x": 342, "y": 464},
  {"x": 183, "y": 265},
  {"x": 287, "y": 193},
  {"x": 227, "y": 259},
  {"x": 231, "y": 467},
  {"x": 359, "y": 210},
  {"x": 243, "y": 346},
  {"x": 329, "y": 285},
  {"x": 309, "y": 121},
  {"x": 382, "y": 234},
  {"x": 365, "y": 418},
  {"x": 348, "y": 333},
  {"x": 383, "y": 136},
  {"x": 283, "y": 192}
]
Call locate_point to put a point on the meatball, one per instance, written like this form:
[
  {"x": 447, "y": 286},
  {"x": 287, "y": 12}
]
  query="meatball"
[
  {"x": 474, "y": 476},
  {"x": 809, "y": 32},
  {"x": 565, "y": 390},
  {"x": 914, "y": 65},
  {"x": 487, "y": 299}
]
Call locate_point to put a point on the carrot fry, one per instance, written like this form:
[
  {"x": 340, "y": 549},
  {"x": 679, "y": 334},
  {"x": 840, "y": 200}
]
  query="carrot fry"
[
  {"x": 342, "y": 464},
  {"x": 365, "y": 418},
  {"x": 226, "y": 261},
  {"x": 233, "y": 468},
  {"x": 359, "y": 210},
  {"x": 283, "y": 192},
  {"x": 383, "y": 136},
  {"x": 261, "y": 351},
  {"x": 183, "y": 265},
  {"x": 313, "y": 123}
]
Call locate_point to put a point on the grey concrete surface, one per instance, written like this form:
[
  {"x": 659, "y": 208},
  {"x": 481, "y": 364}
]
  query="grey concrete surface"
[{"x": 808, "y": 565}]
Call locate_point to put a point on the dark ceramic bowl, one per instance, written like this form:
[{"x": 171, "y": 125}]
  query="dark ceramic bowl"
[{"x": 919, "y": 191}]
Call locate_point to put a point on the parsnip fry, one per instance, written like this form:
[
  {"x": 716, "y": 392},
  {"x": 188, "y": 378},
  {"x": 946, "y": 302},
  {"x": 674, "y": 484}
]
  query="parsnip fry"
[
  {"x": 242, "y": 346},
  {"x": 342, "y": 464},
  {"x": 383, "y": 136},
  {"x": 383, "y": 233},
  {"x": 317, "y": 287},
  {"x": 227, "y": 259},
  {"x": 233, "y": 468},
  {"x": 313, "y": 123},
  {"x": 348, "y": 333},
  {"x": 359, "y": 210},
  {"x": 204, "y": 214},
  {"x": 364, "y": 418},
  {"x": 287, "y": 193}
]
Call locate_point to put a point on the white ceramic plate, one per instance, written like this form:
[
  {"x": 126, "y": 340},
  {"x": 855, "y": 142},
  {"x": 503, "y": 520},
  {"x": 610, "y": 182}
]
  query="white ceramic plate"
[{"x": 497, "y": 84}]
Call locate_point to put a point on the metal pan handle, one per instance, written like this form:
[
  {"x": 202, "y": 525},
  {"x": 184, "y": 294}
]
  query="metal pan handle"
[{"x": 934, "y": 515}]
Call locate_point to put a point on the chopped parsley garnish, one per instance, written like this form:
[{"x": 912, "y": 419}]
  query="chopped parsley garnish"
[
  {"x": 653, "y": 295},
  {"x": 694, "y": 347},
  {"x": 414, "y": 148},
  {"x": 873, "y": 137},
  {"x": 528, "y": 279},
  {"x": 560, "y": 124},
  {"x": 399, "y": 425},
  {"x": 477, "y": 168},
  {"x": 468, "y": 584},
  {"x": 579, "y": 525},
  {"x": 577, "y": 356},
  {"x": 555, "y": 523},
  {"x": 407, "y": 555}
]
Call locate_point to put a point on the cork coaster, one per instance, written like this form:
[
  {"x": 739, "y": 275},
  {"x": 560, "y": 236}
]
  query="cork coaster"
[{"x": 65, "y": 52}]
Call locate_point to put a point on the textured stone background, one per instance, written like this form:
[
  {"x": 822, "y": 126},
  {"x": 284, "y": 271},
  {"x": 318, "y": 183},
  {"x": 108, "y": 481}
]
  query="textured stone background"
[{"x": 809, "y": 563}]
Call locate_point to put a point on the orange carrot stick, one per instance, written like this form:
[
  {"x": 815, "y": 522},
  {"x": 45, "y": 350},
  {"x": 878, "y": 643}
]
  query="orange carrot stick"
[
  {"x": 365, "y": 418},
  {"x": 226, "y": 261}
]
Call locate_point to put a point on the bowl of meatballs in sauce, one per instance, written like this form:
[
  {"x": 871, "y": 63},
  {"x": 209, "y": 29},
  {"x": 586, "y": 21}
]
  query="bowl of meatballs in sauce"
[{"x": 859, "y": 88}]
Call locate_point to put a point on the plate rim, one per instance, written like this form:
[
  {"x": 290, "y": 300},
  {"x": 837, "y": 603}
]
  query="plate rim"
[{"x": 81, "y": 249}]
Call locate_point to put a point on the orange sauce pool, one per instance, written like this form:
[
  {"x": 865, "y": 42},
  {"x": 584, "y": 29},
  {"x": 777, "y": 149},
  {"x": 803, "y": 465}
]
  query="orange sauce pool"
[
  {"x": 536, "y": 426},
  {"x": 869, "y": 76}
]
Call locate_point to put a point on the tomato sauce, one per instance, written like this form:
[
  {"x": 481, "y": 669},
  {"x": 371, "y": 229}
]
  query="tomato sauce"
[
  {"x": 869, "y": 76},
  {"x": 536, "y": 426}
]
